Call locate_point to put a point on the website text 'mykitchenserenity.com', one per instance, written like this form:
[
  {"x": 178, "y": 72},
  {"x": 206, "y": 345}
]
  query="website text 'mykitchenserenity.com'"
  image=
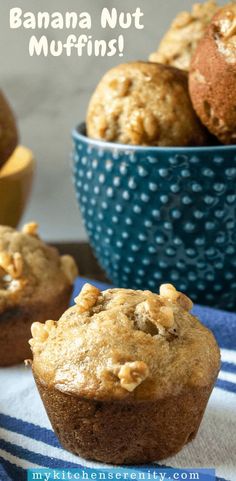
[{"x": 121, "y": 474}]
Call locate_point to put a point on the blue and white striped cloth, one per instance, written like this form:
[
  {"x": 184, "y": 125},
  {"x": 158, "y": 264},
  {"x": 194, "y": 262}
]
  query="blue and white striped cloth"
[{"x": 27, "y": 439}]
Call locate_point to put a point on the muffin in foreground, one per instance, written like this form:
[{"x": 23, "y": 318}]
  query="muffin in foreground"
[
  {"x": 8, "y": 130},
  {"x": 180, "y": 42},
  {"x": 212, "y": 79},
  {"x": 125, "y": 375},
  {"x": 143, "y": 103},
  {"x": 35, "y": 283}
]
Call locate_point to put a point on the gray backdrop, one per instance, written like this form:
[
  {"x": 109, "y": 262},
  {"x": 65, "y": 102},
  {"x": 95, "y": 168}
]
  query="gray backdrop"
[{"x": 50, "y": 96}]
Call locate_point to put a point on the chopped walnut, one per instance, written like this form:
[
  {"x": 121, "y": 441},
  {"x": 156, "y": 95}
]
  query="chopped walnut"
[
  {"x": 183, "y": 19},
  {"x": 204, "y": 10},
  {"x": 145, "y": 318},
  {"x": 227, "y": 24},
  {"x": 17, "y": 265},
  {"x": 169, "y": 292},
  {"x": 49, "y": 325},
  {"x": 121, "y": 87},
  {"x": 102, "y": 125},
  {"x": 152, "y": 317},
  {"x": 142, "y": 125},
  {"x": 131, "y": 374},
  {"x": 151, "y": 307},
  {"x": 167, "y": 317},
  {"x": 5, "y": 261},
  {"x": 2, "y": 272},
  {"x": 151, "y": 125},
  {"x": 87, "y": 298},
  {"x": 40, "y": 333},
  {"x": 31, "y": 228},
  {"x": 185, "y": 302},
  {"x": 11, "y": 264},
  {"x": 69, "y": 268},
  {"x": 28, "y": 362}
]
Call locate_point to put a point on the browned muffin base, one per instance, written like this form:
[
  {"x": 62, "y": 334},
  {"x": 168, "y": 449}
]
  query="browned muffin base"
[
  {"x": 15, "y": 326},
  {"x": 125, "y": 433}
]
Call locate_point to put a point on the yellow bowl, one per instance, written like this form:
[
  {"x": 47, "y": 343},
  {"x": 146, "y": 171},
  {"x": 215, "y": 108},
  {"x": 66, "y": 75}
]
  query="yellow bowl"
[{"x": 16, "y": 177}]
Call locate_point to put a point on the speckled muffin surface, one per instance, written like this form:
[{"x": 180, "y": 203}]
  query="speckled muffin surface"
[
  {"x": 180, "y": 42},
  {"x": 35, "y": 283},
  {"x": 8, "y": 130},
  {"x": 212, "y": 78},
  {"x": 143, "y": 103},
  {"x": 121, "y": 357},
  {"x": 121, "y": 343}
]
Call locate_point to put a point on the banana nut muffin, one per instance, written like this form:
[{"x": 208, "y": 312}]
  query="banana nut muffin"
[
  {"x": 125, "y": 375},
  {"x": 35, "y": 283},
  {"x": 143, "y": 103},
  {"x": 8, "y": 130},
  {"x": 212, "y": 80},
  {"x": 181, "y": 40}
]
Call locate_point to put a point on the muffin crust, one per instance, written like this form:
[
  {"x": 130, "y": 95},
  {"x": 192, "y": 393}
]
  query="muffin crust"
[
  {"x": 127, "y": 345},
  {"x": 143, "y": 103},
  {"x": 35, "y": 283},
  {"x": 213, "y": 74},
  {"x": 180, "y": 42}
]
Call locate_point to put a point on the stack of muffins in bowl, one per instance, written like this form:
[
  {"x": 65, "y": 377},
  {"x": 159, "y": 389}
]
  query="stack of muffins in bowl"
[
  {"x": 16, "y": 168},
  {"x": 155, "y": 164}
]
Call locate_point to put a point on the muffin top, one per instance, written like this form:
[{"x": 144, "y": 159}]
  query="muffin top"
[
  {"x": 30, "y": 270},
  {"x": 125, "y": 344},
  {"x": 212, "y": 76},
  {"x": 143, "y": 103},
  {"x": 181, "y": 40}
]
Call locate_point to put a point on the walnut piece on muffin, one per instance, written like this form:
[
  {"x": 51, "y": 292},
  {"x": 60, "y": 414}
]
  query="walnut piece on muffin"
[
  {"x": 143, "y": 103},
  {"x": 180, "y": 42},
  {"x": 212, "y": 76},
  {"x": 125, "y": 375},
  {"x": 8, "y": 130},
  {"x": 35, "y": 283}
]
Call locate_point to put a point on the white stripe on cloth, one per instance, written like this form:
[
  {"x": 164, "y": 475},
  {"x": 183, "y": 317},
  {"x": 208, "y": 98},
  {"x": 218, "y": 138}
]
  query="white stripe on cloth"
[
  {"x": 38, "y": 447},
  {"x": 228, "y": 356},
  {"x": 227, "y": 376}
]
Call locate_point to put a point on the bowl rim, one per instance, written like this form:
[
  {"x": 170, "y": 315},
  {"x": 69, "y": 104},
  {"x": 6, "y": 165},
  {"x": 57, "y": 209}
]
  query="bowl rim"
[
  {"x": 19, "y": 170},
  {"x": 78, "y": 133}
]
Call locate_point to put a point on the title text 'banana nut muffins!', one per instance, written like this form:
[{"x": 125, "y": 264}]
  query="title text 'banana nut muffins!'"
[
  {"x": 180, "y": 42},
  {"x": 212, "y": 78},
  {"x": 35, "y": 284},
  {"x": 143, "y": 103},
  {"x": 125, "y": 375}
]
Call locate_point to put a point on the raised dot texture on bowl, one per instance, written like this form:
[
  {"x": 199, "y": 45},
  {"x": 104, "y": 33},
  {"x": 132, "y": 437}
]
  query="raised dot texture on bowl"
[{"x": 164, "y": 214}]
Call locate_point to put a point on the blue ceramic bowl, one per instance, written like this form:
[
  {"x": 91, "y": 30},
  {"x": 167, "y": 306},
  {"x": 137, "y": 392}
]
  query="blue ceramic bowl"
[{"x": 157, "y": 215}]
